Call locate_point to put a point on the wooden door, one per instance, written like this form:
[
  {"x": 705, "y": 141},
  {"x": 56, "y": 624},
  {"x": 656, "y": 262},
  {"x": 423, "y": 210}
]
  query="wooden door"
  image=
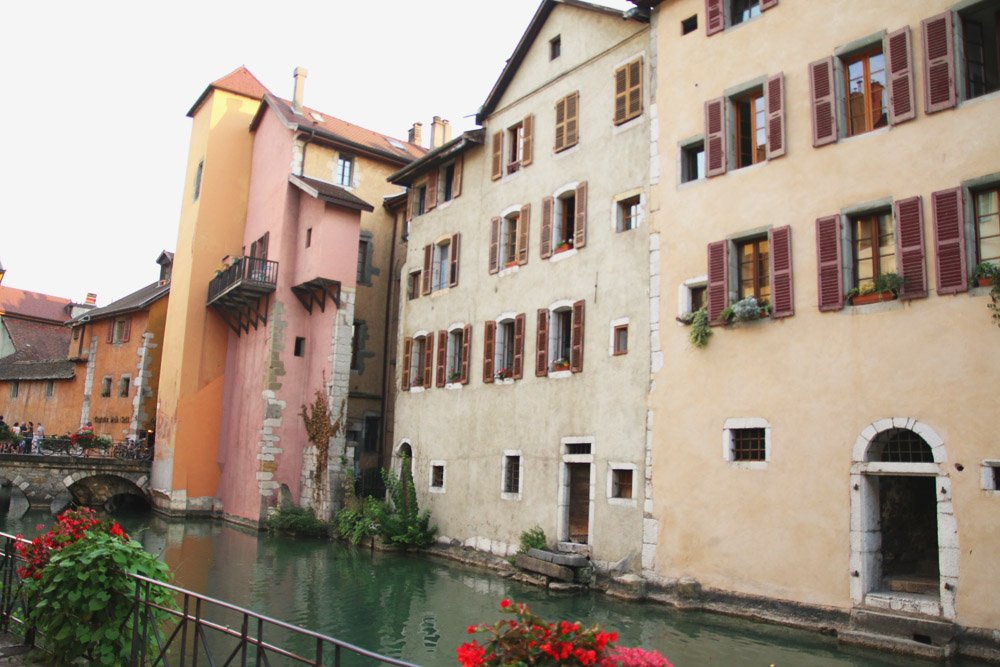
[{"x": 579, "y": 502}]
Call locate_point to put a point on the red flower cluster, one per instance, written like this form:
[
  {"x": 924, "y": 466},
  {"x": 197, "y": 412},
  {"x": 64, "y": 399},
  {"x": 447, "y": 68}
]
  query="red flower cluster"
[
  {"x": 530, "y": 640},
  {"x": 70, "y": 526}
]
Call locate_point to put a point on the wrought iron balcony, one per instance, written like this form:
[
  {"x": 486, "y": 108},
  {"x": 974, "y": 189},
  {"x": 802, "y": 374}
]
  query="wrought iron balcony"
[{"x": 236, "y": 294}]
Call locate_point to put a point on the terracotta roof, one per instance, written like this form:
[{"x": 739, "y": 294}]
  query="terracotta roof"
[
  {"x": 329, "y": 192},
  {"x": 38, "y": 340},
  {"x": 339, "y": 130},
  {"x": 33, "y": 305},
  {"x": 240, "y": 81},
  {"x": 19, "y": 367},
  {"x": 135, "y": 301}
]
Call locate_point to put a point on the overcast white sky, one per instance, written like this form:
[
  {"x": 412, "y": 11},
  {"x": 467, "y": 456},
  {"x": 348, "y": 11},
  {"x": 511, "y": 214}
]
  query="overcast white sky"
[{"x": 93, "y": 132}]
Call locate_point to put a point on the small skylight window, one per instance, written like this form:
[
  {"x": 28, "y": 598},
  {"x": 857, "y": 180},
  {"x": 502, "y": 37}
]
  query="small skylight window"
[
  {"x": 316, "y": 116},
  {"x": 395, "y": 144}
]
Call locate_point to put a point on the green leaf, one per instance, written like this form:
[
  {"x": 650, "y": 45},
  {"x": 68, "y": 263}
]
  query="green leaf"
[{"x": 111, "y": 633}]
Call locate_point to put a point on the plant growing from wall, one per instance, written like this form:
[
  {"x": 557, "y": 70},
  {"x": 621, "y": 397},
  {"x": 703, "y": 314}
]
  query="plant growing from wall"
[
  {"x": 358, "y": 518},
  {"x": 296, "y": 521},
  {"x": 320, "y": 429},
  {"x": 700, "y": 331},
  {"x": 401, "y": 522},
  {"x": 533, "y": 538}
]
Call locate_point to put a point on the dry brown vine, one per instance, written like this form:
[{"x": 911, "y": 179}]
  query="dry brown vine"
[{"x": 320, "y": 429}]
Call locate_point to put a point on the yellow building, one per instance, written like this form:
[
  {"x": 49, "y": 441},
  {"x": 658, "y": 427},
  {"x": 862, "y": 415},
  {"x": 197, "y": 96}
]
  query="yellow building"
[{"x": 807, "y": 158}]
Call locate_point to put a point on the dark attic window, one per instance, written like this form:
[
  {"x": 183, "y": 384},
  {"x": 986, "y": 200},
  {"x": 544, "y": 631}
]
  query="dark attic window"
[
  {"x": 300, "y": 346},
  {"x": 555, "y": 47},
  {"x": 689, "y": 25}
]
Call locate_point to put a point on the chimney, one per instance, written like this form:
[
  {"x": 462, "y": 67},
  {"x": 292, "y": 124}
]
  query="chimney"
[
  {"x": 440, "y": 132},
  {"x": 414, "y": 137},
  {"x": 91, "y": 299},
  {"x": 300, "y": 83}
]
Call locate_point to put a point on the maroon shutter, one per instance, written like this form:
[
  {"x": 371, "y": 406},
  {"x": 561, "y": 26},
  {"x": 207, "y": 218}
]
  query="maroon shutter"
[
  {"x": 909, "y": 214},
  {"x": 774, "y": 102},
  {"x": 425, "y": 278},
  {"x": 442, "y": 356},
  {"x": 432, "y": 190},
  {"x": 126, "y": 329},
  {"x": 494, "y": 245},
  {"x": 580, "y": 207},
  {"x": 519, "y": 347},
  {"x": 823, "y": 98},
  {"x": 768, "y": 4},
  {"x": 497, "y": 155},
  {"x": 526, "y": 151},
  {"x": 545, "y": 246},
  {"x": 407, "y": 351},
  {"x": 453, "y": 262},
  {"x": 111, "y": 331},
  {"x": 523, "y": 225},
  {"x": 456, "y": 181},
  {"x": 718, "y": 280},
  {"x": 829, "y": 264},
  {"x": 899, "y": 58},
  {"x": 715, "y": 137},
  {"x": 542, "y": 343},
  {"x": 466, "y": 353},
  {"x": 409, "y": 205},
  {"x": 949, "y": 241},
  {"x": 576, "y": 339},
  {"x": 715, "y": 20},
  {"x": 780, "y": 255},
  {"x": 489, "y": 341},
  {"x": 428, "y": 359},
  {"x": 939, "y": 63}
]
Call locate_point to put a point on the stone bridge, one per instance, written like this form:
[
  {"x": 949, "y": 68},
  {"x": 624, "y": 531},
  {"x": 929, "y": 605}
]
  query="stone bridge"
[{"x": 89, "y": 481}]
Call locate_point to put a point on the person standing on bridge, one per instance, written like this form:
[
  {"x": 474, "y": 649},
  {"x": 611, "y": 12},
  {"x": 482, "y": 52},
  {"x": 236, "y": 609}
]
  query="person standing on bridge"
[{"x": 39, "y": 434}]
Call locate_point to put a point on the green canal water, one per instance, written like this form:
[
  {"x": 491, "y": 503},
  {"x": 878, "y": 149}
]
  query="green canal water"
[{"x": 417, "y": 608}]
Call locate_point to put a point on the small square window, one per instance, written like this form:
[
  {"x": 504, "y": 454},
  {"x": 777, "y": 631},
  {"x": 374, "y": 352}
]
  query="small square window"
[
  {"x": 621, "y": 339},
  {"x": 621, "y": 483},
  {"x": 693, "y": 161},
  {"x": 748, "y": 444},
  {"x": 300, "y": 346},
  {"x": 555, "y": 47},
  {"x": 689, "y": 25},
  {"x": 437, "y": 476},
  {"x": 309, "y": 237},
  {"x": 628, "y": 214}
]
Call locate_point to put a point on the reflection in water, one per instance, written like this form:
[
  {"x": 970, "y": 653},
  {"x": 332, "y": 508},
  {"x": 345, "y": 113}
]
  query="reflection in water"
[{"x": 417, "y": 608}]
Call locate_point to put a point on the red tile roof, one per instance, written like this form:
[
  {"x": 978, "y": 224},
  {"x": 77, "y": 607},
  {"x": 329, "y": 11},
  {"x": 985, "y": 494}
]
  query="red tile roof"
[
  {"x": 38, "y": 341},
  {"x": 33, "y": 305},
  {"x": 239, "y": 81}
]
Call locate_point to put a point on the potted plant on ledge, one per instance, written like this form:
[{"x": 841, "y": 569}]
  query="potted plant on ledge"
[
  {"x": 746, "y": 310},
  {"x": 503, "y": 374},
  {"x": 885, "y": 288},
  {"x": 454, "y": 376},
  {"x": 986, "y": 274},
  {"x": 560, "y": 365}
]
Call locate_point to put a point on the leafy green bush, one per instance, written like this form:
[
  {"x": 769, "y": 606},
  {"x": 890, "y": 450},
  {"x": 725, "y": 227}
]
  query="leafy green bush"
[
  {"x": 700, "y": 331},
  {"x": 532, "y": 539},
  {"x": 356, "y": 523},
  {"x": 296, "y": 521},
  {"x": 401, "y": 522}
]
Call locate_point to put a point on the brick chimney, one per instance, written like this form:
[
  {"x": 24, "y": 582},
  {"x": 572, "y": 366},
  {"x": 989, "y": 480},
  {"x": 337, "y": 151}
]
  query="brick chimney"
[
  {"x": 91, "y": 299},
  {"x": 300, "y": 83},
  {"x": 414, "y": 136},
  {"x": 440, "y": 132}
]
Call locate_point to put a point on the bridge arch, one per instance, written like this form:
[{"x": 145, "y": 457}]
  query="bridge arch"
[{"x": 104, "y": 488}]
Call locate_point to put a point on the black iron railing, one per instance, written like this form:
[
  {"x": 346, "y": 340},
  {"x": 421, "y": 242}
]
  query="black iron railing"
[
  {"x": 129, "y": 450},
  {"x": 247, "y": 270},
  {"x": 199, "y": 629}
]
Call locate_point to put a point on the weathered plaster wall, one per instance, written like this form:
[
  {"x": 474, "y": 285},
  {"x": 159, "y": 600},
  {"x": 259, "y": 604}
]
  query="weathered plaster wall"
[
  {"x": 112, "y": 415},
  {"x": 59, "y": 413}
]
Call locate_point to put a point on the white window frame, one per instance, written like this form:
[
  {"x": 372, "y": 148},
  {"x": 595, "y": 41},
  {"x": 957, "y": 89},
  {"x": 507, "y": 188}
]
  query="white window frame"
[
  {"x": 563, "y": 523},
  {"x": 684, "y": 301},
  {"x": 430, "y": 476},
  {"x": 561, "y": 193},
  {"x": 505, "y": 495},
  {"x": 554, "y": 309},
  {"x": 441, "y": 264},
  {"x": 623, "y": 502},
  {"x": 501, "y": 343},
  {"x": 988, "y": 476},
  {"x": 454, "y": 354},
  {"x": 618, "y": 210},
  {"x": 417, "y": 360},
  {"x": 343, "y": 158},
  {"x": 734, "y": 424}
]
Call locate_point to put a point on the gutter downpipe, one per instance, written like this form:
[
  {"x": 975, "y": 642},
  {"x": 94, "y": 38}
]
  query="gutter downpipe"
[{"x": 386, "y": 380}]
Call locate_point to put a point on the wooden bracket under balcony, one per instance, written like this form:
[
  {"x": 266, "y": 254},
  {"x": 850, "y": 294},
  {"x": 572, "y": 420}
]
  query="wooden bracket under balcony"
[{"x": 315, "y": 292}]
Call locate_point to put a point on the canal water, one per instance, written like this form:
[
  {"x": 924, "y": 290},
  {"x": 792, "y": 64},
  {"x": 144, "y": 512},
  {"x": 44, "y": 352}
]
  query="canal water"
[{"x": 417, "y": 608}]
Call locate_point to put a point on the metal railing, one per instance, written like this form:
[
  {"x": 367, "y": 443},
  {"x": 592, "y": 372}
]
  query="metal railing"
[
  {"x": 128, "y": 450},
  {"x": 245, "y": 270},
  {"x": 185, "y": 634}
]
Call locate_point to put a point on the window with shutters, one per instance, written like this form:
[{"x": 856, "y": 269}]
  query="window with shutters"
[
  {"x": 106, "y": 386},
  {"x": 510, "y": 488},
  {"x": 515, "y": 147},
  {"x": 418, "y": 363},
  {"x": 628, "y": 91},
  {"x": 419, "y": 200},
  {"x": 743, "y": 10},
  {"x": 437, "y": 478},
  {"x": 724, "y": 14},
  {"x": 753, "y": 270},
  {"x": 504, "y": 359},
  {"x": 867, "y": 96},
  {"x": 458, "y": 356},
  {"x": 123, "y": 385},
  {"x": 503, "y": 351},
  {"x": 413, "y": 285},
  {"x": 508, "y": 239},
  {"x": 442, "y": 262},
  {"x": 751, "y": 129},
  {"x": 986, "y": 223},
  {"x": 560, "y": 339},
  {"x": 873, "y": 247},
  {"x": 562, "y": 223},
  {"x": 345, "y": 170},
  {"x": 746, "y": 442},
  {"x": 447, "y": 179},
  {"x": 980, "y": 26},
  {"x": 692, "y": 167},
  {"x": 120, "y": 331},
  {"x": 742, "y": 128},
  {"x": 758, "y": 264},
  {"x": 567, "y": 122}
]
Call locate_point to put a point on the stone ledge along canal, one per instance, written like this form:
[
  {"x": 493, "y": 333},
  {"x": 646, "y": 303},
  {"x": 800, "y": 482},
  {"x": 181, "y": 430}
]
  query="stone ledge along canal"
[{"x": 417, "y": 608}]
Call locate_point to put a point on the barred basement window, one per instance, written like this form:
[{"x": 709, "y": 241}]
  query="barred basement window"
[
  {"x": 512, "y": 474},
  {"x": 578, "y": 448},
  {"x": 746, "y": 442}
]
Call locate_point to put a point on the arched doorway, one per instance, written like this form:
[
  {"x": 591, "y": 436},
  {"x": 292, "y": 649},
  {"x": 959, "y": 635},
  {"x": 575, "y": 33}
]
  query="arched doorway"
[{"x": 904, "y": 540}]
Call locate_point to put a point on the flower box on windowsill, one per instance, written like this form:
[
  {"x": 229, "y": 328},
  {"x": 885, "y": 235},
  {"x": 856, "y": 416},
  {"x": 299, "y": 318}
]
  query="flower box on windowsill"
[
  {"x": 563, "y": 247},
  {"x": 510, "y": 264},
  {"x": 872, "y": 297},
  {"x": 984, "y": 281}
]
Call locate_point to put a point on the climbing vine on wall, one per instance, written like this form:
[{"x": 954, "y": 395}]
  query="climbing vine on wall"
[{"x": 320, "y": 429}]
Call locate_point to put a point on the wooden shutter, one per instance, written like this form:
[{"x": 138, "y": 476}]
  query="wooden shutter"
[
  {"x": 909, "y": 215},
  {"x": 497, "y": 155},
  {"x": 899, "y": 60},
  {"x": 580, "y": 211},
  {"x": 545, "y": 246},
  {"x": 718, "y": 280},
  {"x": 407, "y": 351},
  {"x": 939, "y": 63},
  {"x": 519, "y": 347},
  {"x": 560, "y": 125},
  {"x": 634, "y": 88},
  {"x": 949, "y": 241},
  {"x": 572, "y": 119},
  {"x": 621, "y": 94},
  {"x": 466, "y": 353},
  {"x": 489, "y": 340},
  {"x": 829, "y": 264},
  {"x": 528, "y": 128},
  {"x": 542, "y": 343},
  {"x": 442, "y": 357},
  {"x": 715, "y": 137},
  {"x": 576, "y": 339},
  {"x": 126, "y": 329},
  {"x": 523, "y": 225},
  {"x": 432, "y": 190},
  {"x": 409, "y": 204},
  {"x": 111, "y": 331},
  {"x": 782, "y": 293},
  {"x": 428, "y": 359},
  {"x": 453, "y": 261},
  {"x": 494, "y": 245},
  {"x": 715, "y": 19},
  {"x": 425, "y": 277},
  {"x": 456, "y": 180},
  {"x": 768, "y": 4},
  {"x": 774, "y": 103},
  {"x": 823, "y": 98}
]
